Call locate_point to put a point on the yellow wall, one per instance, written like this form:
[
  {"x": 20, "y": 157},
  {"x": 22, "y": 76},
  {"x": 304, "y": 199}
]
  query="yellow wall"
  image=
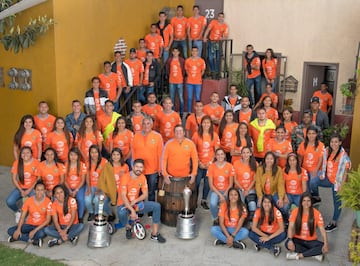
[{"x": 63, "y": 61}]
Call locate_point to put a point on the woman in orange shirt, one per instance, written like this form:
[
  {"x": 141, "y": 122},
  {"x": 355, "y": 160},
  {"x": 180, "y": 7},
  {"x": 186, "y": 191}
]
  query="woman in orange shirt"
[
  {"x": 271, "y": 112},
  {"x": 66, "y": 226},
  {"x": 227, "y": 132},
  {"x": 267, "y": 229},
  {"x": 75, "y": 180},
  {"x": 27, "y": 135},
  {"x": 221, "y": 179},
  {"x": 95, "y": 166},
  {"x": 302, "y": 239},
  {"x": 232, "y": 215},
  {"x": 206, "y": 142},
  {"x": 287, "y": 122},
  {"x": 242, "y": 139},
  {"x": 269, "y": 65},
  {"x": 60, "y": 139},
  {"x": 86, "y": 136},
  {"x": 279, "y": 146},
  {"x": 51, "y": 171}
]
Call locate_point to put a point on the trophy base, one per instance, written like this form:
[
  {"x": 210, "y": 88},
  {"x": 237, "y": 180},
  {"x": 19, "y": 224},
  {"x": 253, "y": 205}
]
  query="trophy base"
[{"x": 186, "y": 226}]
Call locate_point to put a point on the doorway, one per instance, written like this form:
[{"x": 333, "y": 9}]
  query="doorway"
[{"x": 313, "y": 75}]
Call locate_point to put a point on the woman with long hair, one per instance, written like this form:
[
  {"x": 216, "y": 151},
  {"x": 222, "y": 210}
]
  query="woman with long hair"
[
  {"x": 27, "y": 135},
  {"x": 35, "y": 215},
  {"x": 60, "y": 139},
  {"x": 221, "y": 178},
  {"x": 23, "y": 176},
  {"x": 51, "y": 171},
  {"x": 269, "y": 65},
  {"x": 271, "y": 112},
  {"x": 242, "y": 139},
  {"x": 86, "y": 136},
  {"x": 288, "y": 122},
  {"x": 206, "y": 142},
  {"x": 267, "y": 229},
  {"x": 232, "y": 215},
  {"x": 279, "y": 146},
  {"x": 66, "y": 226},
  {"x": 336, "y": 164},
  {"x": 95, "y": 166},
  {"x": 227, "y": 131},
  {"x": 75, "y": 180},
  {"x": 302, "y": 239}
]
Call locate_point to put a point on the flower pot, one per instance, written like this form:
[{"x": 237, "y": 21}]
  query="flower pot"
[{"x": 357, "y": 213}]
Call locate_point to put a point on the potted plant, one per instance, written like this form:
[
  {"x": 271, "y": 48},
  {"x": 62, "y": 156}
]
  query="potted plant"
[{"x": 350, "y": 193}]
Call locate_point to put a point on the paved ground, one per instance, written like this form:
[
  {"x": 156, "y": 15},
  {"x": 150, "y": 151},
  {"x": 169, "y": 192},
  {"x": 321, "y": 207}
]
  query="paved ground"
[{"x": 199, "y": 251}]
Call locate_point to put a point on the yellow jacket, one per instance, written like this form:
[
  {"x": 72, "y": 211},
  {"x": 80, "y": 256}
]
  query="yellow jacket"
[{"x": 277, "y": 184}]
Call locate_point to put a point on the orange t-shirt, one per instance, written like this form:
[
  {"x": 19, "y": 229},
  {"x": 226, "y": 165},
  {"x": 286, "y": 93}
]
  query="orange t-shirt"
[
  {"x": 273, "y": 96},
  {"x": 311, "y": 156},
  {"x": 305, "y": 231},
  {"x": 234, "y": 218},
  {"x": 137, "y": 68},
  {"x": 154, "y": 43},
  {"x": 122, "y": 141},
  {"x": 175, "y": 72},
  {"x": 243, "y": 143},
  {"x": 37, "y": 212},
  {"x": 265, "y": 226},
  {"x": 192, "y": 123},
  {"x": 214, "y": 113},
  {"x": 179, "y": 26},
  {"x": 244, "y": 175},
  {"x": 57, "y": 208},
  {"x": 267, "y": 185},
  {"x": 326, "y": 100},
  {"x": 141, "y": 55},
  {"x": 245, "y": 116},
  {"x": 282, "y": 148},
  {"x": 119, "y": 172},
  {"x": 166, "y": 124},
  {"x": 73, "y": 179},
  {"x": 136, "y": 122},
  {"x": 218, "y": 30},
  {"x": 228, "y": 137},
  {"x": 269, "y": 66},
  {"x": 45, "y": 126},
  {"x": 98, "y": 109},
  {"x": 32, "y": 140},
  {"x": 221, "y": 176},
  {"x": 59, "y": 143},
  {"x": 205, "y": 146},
  {"x": 194, "y": 68},
  {"x": 293, "y": 181},
  {"x": 167, "y": 32},
  {"x": 255, "y": 72},
  {"x": 289, "y": 126},
  {"x": 94, "y": 174},
  {"x": 152, "y": 111},
  {"x": 333, "y": 166},
  {"x": 132, "y": 187},
  {"x": 196, "y": 25},
  {"x": 110, "y": 84},
  {"x": 121, "y": 81},
  {"x": 146, "y": 74},
  {"x": 51, "y": 174},
  {"x": 89, "y": 139},
  {"x": 149, "y": 148},
  {"x": 272, "y": 114},
  {"x": 30, "y": 173}
]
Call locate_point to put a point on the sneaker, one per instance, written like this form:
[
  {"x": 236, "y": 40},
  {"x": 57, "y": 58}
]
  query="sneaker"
[
  {"x": 11, "y": 239},
  {"x": 81, "y": 220},
  {"x": 239, "y": 244},
  {"x": 292, "y": 256},
  {"x": 74, "y": 240},
  {"x": 315, "y": 200},
  {"x": 216, "y": 222},
  {"x": 257, "y": 247},
  {"x": 91, "y": 217},
  {"x": 277, "y": 251},
  {"x": 204, "y": 205},
  {"x": 128, "y": 233},
  {"x": 17, "y": 216},
  {"x": 330, "y": 227},
  {"x": 150, "y": 214},
  {"x": 111, "y": 218},
  {"x": 52, "y": 242},
  {"x": 159, "y": 238},
  {"x": 319, "y": 257},
  {"x": 218, "y": 242},
  {"x": 37, "y": 242}
]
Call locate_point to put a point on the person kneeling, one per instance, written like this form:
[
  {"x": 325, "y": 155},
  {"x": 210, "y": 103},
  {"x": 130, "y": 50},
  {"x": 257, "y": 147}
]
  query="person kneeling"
[
  {"x": 232, "y": 215},
  {"x": 129, "y": 196}
]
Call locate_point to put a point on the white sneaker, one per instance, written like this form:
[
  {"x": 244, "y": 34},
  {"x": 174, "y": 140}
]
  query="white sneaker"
[
  {"x": 319, "y": 257},
  {"x": 292, "y": 256},
  {"x": 17, "y": 216}
]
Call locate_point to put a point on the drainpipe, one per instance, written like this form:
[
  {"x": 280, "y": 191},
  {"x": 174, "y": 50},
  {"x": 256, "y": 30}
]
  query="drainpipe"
[{"x": 18, "y": 7}]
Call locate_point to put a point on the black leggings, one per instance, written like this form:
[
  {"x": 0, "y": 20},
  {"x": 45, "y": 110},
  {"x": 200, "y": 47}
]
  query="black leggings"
[{"x": 308, "y": 248}]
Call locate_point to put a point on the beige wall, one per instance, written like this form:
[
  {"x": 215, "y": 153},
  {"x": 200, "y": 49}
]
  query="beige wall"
[{"x": 303, "y": 30}]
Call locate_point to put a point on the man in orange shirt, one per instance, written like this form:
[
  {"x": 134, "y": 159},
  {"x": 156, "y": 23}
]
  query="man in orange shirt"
[
  {"x": 219, "y": 31},
  {"x": 152, "y": 109},
  {"x": 195, "y": 68},
  {"x": 165, "y": 30},
  {"x": 214, "y": 110},
  {"x": 179, "y": 158},
  {"x": 141, "y": 52},
  {"x": 148, "y": 145},
  {"x": 44, "y": 121},
  {"x": 195, "y": 29},
  {"x": 253, "y": 75},
  {"x": 95, "y": 98},
  {"x": 245, "y": 114},
  {"x": 193, "y": 121},
  {"x": 109, "y": 82},
  {"x": 136, "y": 117},
  {"x": 154, "y": 42},
  {"x": 179, "y": 23},
  {"x": 325, "y": 98},
  {"x": 152, "y": 76},
  {"x": 137, "y": 70}
]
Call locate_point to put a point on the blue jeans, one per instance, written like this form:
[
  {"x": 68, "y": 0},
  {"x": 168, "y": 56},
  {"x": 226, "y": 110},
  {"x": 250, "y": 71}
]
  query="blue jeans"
[
  {"x": 198, "y": 44},
  {"x": 80, "y": 199},
  {"x": 214, "y": 55},
  {"x": 218, "y": 233},
  {"x": 149, "y": 206},
  {"x": 152, "y": 181},
  {"x": 268, "y": 244},
  {"x": 293, "y": 199},
  {"x": 308, "y": 248},
  {"x": 14, "y": 197},
  {"x": 250, "y": 199},
  {"x": 73, "y": 231},
  {"x": 182, "y": 47},
  {"x": 144, "y": 90},
  {"x": 201, "y": 174},
  {"x": 92, "y": 201},
  {"x": 25, "y": 230},
  {"x": 256, "y": 82},
  {"x": 214, "y": 204},
  {"x": 179, "y": 88},
  {"x": 315, "y": 183},
  {"x": 190, "y": 91}
]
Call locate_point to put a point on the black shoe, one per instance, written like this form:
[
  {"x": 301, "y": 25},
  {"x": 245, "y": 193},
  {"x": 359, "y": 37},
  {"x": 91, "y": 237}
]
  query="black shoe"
[
  {"x": 315, "y": 200},
  {"x": 128, "y": 233},
  {"x": 111, "y": 218},
  {"x": 204, "y": 205},
  {"x": 218, "y": 242},
  {"x": 91, "y": 217},
  {"x": 37, "y": 242},
  {"x": 150, "y": 214},
  {"x": 11, "y": 239},
  {"x": 257, "y": 247},
  {"x": 330, "y": 227},
  {"x": 52, "y": 242},
  {"x": 277, "y": 251},
  {"x": 140, "y": 214},
  {"x": 239, "y": 244},
  {"x": 216, "y": 222},
  {"x": 81, "y": 220},
  {"x": 159, "y": 238},
  {"x": 74, "y": 240}
]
